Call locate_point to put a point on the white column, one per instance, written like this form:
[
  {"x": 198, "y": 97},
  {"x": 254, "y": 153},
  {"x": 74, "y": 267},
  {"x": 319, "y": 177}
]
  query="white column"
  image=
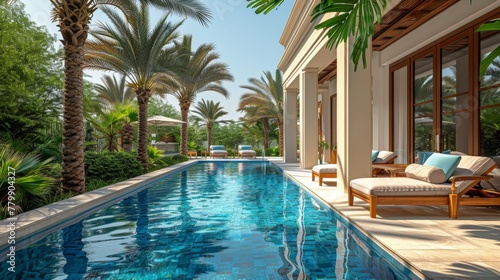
[
  {"x": 354, "y": 117},
  {"x": 325, "y": 121},
  {"x": 290, "y": 127},
  {"x": 333, "y": 126},
  {"x": 308, "y": 118}
]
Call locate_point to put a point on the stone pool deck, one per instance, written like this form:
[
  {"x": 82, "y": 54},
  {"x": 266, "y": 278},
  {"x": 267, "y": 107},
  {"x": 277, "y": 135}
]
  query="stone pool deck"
[{"x": 423, "y": 236}]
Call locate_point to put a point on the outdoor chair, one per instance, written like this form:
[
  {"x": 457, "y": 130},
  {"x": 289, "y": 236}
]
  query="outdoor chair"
[
  {"x": 246, "y": 151},
  {"x": 330, "y": 170},
  {"x": 217, "y": 151},
  {"x": 441, "y": 180}
]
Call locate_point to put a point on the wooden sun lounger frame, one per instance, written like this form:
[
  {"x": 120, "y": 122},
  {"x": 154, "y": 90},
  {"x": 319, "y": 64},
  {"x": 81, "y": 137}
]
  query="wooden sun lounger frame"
[{"x": 453, "y": 200}]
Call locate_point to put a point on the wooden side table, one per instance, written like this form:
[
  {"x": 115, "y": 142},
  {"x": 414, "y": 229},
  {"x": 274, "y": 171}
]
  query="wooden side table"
[
  {"x": 204, "y": 153},
  {"x": 393, "y": 169},
  {"x": 192, "y": 153}
]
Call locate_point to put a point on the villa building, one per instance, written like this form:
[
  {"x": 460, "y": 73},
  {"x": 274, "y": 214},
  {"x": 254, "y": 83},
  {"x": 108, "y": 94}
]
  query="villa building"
[{"x": 421, "y": 89}]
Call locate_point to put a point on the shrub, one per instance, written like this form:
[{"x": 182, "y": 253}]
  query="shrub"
[
  {"x": 175, "y": 159},
  {"x": 52, "y": 170},
  {"x": 108, "y": 166},
  {"x": 21, "y": 179}
]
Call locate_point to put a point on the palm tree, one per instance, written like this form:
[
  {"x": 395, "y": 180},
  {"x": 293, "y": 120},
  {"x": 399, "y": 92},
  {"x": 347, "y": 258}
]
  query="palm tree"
[
  {"x": 73, "y": 17},
  {"x": 209, "y": 114},
  {"x": 254, "y": 118},
  {"x": 131, "y": 47},
  {"x": 127, "y": 131},
  {"x": 267, "y": 96},
  {"x": 114, "y": 91},
  {"x": 200, "y": 73},
  {"x": 109, "y": 125}
]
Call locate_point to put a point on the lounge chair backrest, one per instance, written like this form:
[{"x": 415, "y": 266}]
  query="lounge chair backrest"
[
  {"x": 217, "y": 147},
  {"x": 245, "y": 147},
  {"x": 472, "y": 165},
  {"x": 384, "y": 156}
]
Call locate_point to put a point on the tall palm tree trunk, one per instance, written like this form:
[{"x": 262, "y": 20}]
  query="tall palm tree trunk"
[
  {"x": 143, "y": 96},
  {"x": 127, "y": 134},
  {"x": 265, "y": 123},
  {"x": 184, "y": 127},
  {"x": 209, "y": 137},
  {"x": 280, "y": 128},
  {"x": 73, "y": 21}
]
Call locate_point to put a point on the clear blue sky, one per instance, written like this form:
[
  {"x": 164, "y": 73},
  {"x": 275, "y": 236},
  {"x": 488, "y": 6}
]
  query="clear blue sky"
[{"x": 247, "y": 42}]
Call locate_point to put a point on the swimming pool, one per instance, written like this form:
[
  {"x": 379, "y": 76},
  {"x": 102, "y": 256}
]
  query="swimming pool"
[{"x": 215, "y": 220}]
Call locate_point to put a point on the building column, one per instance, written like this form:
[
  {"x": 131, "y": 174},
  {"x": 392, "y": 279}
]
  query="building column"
[
  {"x": 308, "y": 118},
  {"x": 290, "y": 126},
  {"x": 325, "y": 121},
  {"x": 354, "y": 116}
]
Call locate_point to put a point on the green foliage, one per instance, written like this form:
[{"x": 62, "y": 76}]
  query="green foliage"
[
  {"x": 229, "y": 135},
  {"x": 276, "y": 151},
  {"x": 353, "y": 18},
  {"x": 31, "y": 76},
  {"x": 175, "y": 159},
  {"x": 107, "y": 166},
  {"x": 493, "y": 25},
  {"x": 108, "y": 126},
  {"x": 52, "y": 170},
  {"x": 264, "y": 6},
  {"x": 155, "y": 158},
  {"x": 21, "y": 177}
]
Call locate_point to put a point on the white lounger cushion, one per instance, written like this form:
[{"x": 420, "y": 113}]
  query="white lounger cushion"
[
  {"x": 218, "y": 152},
  {"x": 384, "y": 156},
  {"x": 325, "y": 168},
  {"x": 247, "y": 152},
  {"x": 400, "y": 186}
]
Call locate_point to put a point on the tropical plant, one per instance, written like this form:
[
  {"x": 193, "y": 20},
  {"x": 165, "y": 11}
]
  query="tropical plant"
[
  {"x": 266, "y": 95},
  {"x": 108, "y": 125},
  {"x": 131, "y": 47},
  {"x": 114, "y": 91},
  {"x": 258, "y": 123},
  {"x": 200, "y": 73},
  {"x": 73, "y": 17},
  {"x": 208, "y": 113},
  {"x": 127, "y": 131},
  {"x": 155, "y": 157},
  {"x": 355, "y": 18},
  {"x": 493, "y": 25},
  {"x": 20, "y": 177},
  {"x": 351, "y": 18}
]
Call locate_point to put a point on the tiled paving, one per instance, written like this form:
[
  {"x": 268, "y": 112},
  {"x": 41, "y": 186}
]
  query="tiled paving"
[{"x": 424, "y": 236}]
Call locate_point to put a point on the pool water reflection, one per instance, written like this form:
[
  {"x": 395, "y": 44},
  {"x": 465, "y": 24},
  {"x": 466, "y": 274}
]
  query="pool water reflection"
[{"x": 215, "y": 220}]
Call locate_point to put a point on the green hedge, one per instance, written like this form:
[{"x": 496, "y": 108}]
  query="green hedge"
[{"x": 107, "y": 166}]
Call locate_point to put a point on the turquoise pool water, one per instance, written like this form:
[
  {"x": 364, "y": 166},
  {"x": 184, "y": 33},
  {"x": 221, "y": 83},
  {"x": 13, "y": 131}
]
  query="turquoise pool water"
[{"x": 215, "y": 220}]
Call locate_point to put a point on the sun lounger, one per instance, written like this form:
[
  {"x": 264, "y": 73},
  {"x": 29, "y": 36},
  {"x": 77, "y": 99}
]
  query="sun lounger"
[
  {"x": 330, "y": 170},
  {"x": 217, "y": 151},
  {"x": 420, "y": 188},
  {"x": 246, "y": 151}
]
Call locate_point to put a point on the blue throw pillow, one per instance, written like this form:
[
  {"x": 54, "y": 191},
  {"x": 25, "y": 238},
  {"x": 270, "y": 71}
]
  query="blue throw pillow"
[
  {"x": 423, "y": 156},
  {"x": 374, "y": 155},
  {"x": 245, "y": 147},
  {"x": 446, "y": 162},
  {"x": 217, "y": 148}
]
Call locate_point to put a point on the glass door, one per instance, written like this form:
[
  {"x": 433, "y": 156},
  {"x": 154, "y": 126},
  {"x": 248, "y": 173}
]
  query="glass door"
[
  {"x": 453, "y": 127},
  {"x": 423, "y": 104}
]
